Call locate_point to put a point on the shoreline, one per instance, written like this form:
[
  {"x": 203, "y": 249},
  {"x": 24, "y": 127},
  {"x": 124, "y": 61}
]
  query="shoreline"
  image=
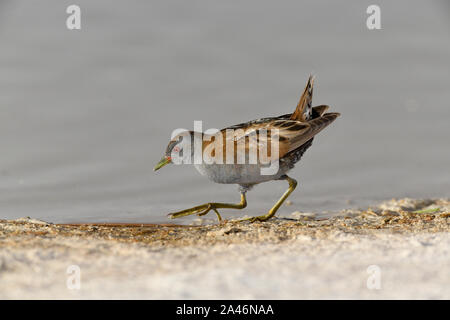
[{"x": 408, "y": 239}]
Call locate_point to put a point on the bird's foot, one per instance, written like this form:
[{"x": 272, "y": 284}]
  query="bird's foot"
[
  {"x": 259, "y": 218},
  {"x": 209, "y": 208},
  {"x": 203, "y": 209},
  {"x": 200, "y": 210}
]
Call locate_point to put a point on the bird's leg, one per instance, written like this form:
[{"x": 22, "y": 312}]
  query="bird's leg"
[
  {"x": 271, "y": 213},
  {"x": 203, "y": 209}
]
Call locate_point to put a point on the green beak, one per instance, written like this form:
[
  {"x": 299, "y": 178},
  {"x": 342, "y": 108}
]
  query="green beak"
[{"x": 162, "y": 163}]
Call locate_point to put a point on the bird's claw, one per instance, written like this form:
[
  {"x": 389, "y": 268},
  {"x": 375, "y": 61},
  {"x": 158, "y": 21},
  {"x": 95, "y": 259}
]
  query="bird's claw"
[
  {"x": 254, "y": 219},
  {"x": 187, "y": 212},
  {"x": 199, "y": 211},
  {"x": 208, "y": 208}
]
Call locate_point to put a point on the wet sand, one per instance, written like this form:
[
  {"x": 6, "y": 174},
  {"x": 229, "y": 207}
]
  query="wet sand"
[{"x": 296, "y": 257}]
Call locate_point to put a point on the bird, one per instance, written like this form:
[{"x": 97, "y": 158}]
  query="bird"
[{"x": 292, "y": 134}]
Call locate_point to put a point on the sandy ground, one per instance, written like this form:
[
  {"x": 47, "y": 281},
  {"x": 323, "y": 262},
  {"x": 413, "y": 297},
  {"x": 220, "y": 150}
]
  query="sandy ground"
[{"x": 399, "y": 249}]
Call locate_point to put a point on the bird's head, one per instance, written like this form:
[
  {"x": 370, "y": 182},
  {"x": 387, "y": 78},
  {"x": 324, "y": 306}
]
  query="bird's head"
[{"x": 174, "y": 150}]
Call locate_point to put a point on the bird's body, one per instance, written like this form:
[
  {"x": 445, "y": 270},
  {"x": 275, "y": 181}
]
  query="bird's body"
[{"x": 292, "y": 134}]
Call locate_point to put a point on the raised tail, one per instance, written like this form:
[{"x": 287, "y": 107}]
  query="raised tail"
[{"x": 303, "y": 112}]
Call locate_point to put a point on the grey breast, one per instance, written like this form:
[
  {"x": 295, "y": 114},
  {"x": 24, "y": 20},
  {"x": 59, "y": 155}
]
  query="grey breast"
[
  {"x": 251, "y": 173},
  {"x": 239, "y": 173}
]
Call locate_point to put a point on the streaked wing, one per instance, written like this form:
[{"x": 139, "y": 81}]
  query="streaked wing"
[
  {"x": 313, "y": 127},
  {"x": 303, "y": 112},
  {"x": 319, "y": 110},
  {"x": 290, "y": 134},
  {"x": 257, "y": 138}
]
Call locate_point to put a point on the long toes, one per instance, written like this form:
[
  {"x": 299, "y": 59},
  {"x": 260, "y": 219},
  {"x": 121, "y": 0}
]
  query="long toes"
[
  {"x": 219, "y": 217},
  {"x": 261, "y": 218},
  {"x": 205, "y": 211},
  {"x": 188, "y": 212},
  {"x": 254, "y": 219},
  {"x": 251, "y": 220}
]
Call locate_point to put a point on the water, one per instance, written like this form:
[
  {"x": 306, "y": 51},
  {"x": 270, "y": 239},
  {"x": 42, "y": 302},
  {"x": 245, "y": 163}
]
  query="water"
[{"x": 85, "y": 115}]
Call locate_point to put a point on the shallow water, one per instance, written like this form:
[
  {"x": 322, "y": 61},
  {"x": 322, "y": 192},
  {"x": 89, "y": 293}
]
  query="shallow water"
[{"x": 85, "y": 115}]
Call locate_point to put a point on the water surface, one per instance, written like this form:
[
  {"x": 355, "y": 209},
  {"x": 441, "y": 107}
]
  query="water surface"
[{"x": 84, "y": 115}]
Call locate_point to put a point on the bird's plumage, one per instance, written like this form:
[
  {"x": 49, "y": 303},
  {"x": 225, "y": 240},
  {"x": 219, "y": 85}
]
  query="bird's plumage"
[
  {"x": 291, "y": 134},
  {"x": 257, "y": 134},
  {"x": 303, "y": 112}
]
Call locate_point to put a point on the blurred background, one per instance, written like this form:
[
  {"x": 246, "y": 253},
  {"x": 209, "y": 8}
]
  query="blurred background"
[{"x": 86, "y": 114}]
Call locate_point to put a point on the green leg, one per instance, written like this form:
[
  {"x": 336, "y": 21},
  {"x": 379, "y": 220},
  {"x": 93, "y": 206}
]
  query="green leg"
[
  {"x": 203, "y": 209},
  {"x": 271, "y": 213}
]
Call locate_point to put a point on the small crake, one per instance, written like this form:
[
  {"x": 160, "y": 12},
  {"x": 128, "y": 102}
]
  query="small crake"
[{"x": 295, "y": 133}]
